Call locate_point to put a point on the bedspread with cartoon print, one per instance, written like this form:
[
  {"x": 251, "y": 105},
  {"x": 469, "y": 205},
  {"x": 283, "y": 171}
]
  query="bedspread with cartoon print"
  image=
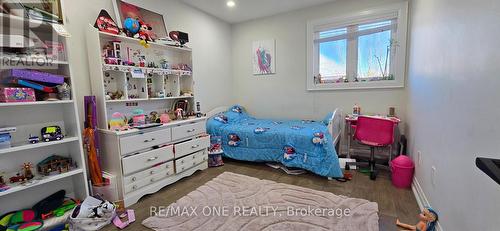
[{"x": 294, "y": 143}]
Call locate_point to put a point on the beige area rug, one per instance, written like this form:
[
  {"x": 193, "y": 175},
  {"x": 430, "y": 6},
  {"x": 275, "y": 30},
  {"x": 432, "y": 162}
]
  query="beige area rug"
[{"x": 237, "y": 202}]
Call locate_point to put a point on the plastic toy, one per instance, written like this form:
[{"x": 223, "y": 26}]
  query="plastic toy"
[
  {"x": 138, "y": 117},
  {"x": 5, "y": 139},
  {"x": 17, "y": 94},
  {"x": 118, "y": 122},
  {"x": 178, "y": 113},
  {"x": 59, "y": 212},
  {"x": 164, "y": 118},
  {"x": 428, "y": 219},
  {"x": 52, "y": 133},
  {"x": 3, "y": 184},
  {"x": 54, "y": 165},
  {"x": 28, "y": 174},
  {"x": 33, "y": 139},
  {"x": 64, "y": 91},
  {"x": 131, "y": 26},
  {"x": 33, "y": 85}
]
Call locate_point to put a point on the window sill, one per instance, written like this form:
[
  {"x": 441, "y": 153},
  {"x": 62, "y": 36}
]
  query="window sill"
[{"x": 388, "y": 84}]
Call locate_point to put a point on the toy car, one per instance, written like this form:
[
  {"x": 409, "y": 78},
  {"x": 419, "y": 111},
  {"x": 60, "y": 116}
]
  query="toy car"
[
  {"x": 33, "y": 139},
  {"x": 17, "y": 178},
  {"x": 52, "y": 133}
]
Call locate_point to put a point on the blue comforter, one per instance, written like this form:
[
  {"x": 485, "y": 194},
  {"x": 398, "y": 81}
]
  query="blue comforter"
[{"x": 294, "y": 143}]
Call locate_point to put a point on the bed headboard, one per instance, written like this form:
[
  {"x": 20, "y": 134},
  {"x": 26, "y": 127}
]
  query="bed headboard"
[
  {"x": 335, "y": 125},
  {"x": 216, "y": 111}
]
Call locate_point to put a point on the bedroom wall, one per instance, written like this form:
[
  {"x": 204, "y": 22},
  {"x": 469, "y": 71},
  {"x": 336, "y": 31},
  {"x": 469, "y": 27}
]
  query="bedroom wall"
[
  {"x": 453, "y": 108},
  {"x": 284, "y": 94},
  {"x": 208, "y": 36}
]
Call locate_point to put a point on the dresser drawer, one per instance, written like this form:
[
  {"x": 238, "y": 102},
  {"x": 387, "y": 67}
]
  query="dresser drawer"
[
  {"x": 148, "y": 180},
  {"x": 147, "y": 159},
  {"x": 190, "y": 161},
  {"x": 145, "y": 140},
  {"x": 188, "y": 130},
  {"x": 168, "y": 167},
  {"x": 194, "y": 145}
]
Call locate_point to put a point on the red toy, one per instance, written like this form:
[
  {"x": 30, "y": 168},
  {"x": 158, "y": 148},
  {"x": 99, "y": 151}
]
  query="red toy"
[{"x": 145, "y": 34}]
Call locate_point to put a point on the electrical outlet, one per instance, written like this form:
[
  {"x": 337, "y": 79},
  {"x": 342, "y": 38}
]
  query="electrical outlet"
[
  {"x": 433, "y": 175},
  {"x": 419, "y": 157}
]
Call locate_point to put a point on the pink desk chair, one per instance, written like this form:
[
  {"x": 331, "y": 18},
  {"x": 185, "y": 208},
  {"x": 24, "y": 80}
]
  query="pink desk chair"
[{"x": 373, "y": 132}]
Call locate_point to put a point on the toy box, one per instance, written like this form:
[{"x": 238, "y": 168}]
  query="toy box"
[
  {"x": 36, "y": 76},
  {"x": 17, "y": 94}
]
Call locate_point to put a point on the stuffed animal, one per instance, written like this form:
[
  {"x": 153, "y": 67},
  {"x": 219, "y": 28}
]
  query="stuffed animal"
[
  {"x": 427, "y": 221},
  {"x": 144, "y": 34}
]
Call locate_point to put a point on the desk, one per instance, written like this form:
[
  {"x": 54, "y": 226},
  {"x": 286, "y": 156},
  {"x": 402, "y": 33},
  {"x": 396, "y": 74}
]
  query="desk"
[{"x": 352, "y": 120}]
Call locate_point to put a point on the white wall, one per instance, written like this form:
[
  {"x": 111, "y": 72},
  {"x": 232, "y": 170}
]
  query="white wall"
[
  {"x": 453, "y": 110},
  {"x": 284, "y": 94},
  {"x": 209, "y": 37}
]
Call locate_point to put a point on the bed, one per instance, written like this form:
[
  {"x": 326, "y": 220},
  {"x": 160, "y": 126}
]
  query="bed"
[{"x": 301, "y": 144}]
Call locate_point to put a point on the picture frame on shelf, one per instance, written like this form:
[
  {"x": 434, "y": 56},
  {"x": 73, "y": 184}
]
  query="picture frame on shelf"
[{"x": 125, "y": 10}]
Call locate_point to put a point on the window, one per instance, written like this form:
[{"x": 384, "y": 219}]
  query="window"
[{"x": 363, "y": 50}]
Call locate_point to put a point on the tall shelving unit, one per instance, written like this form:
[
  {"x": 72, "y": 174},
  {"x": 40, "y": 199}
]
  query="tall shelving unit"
[
  {"x": 137, "y": 92},
  {"x": 29, "y": 118}
]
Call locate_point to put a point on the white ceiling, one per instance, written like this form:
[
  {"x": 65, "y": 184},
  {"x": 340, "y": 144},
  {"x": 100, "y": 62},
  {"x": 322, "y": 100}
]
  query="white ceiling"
[{"x": 250, "y": 9}]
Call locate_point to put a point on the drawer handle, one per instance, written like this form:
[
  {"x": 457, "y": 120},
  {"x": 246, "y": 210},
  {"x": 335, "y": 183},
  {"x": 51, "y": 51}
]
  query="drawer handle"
[
  {"x": 195, "y": 146},
  {"x": 134, "y": 178},
  {"x": 194, "y": 156},
  {"x": 191, "y": 130},
  {"x": 166, "y": 166},
  {"x": 204, "y": 158},
  {"x": 134, "y": 187},
  {"x": 168, "y": 173},
  {"x": 152, "y": 139},
  {"x": 182, "y": 168},
  {"x": 194, "y": 163},
  {"x": 152, "y": 172},
  {"x": 182, "y": 161},
  {"x": 153, "y": 158},
  {"x": 153, "y": 180}
]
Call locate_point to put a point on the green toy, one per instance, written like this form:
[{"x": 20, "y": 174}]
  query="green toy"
[{"x": 23, "y": 220}]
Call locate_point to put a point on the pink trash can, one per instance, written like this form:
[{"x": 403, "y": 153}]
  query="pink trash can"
[{"x": 402, "y": 168}]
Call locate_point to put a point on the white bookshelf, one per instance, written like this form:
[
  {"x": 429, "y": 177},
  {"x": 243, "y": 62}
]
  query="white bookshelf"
[
  {"x": 142, "y": 92},
  {"x": 30, "y": 118}
]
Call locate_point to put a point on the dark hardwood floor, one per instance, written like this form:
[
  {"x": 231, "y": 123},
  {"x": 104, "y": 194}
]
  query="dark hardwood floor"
[{"x": 393, "y": 203}]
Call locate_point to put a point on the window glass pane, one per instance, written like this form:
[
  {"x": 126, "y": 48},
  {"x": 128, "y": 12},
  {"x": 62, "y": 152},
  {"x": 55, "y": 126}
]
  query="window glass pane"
[
  {"x": 374, "y": 25},
  {"x": 374, "y": 56},
  {"x": 331, "y": 33},
  {"x": 332, "y": 60}
]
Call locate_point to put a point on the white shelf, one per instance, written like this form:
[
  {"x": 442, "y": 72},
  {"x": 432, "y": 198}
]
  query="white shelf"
[
  {"x": 35, "y": 103},
  {"x": 146, "y": 70},
  {"x": 37, "y": 182},
  {"x": 28, "y": 146},
  {"x": 150, "y": 99},
  {"x": 109, "y": 36}
]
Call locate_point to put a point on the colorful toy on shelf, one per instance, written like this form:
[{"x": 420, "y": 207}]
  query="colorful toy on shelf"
[
  {"x": 28, "y": 174},
  {"x": 3, "y": 184},
  {"x": 33, "y": 85},
  {"x": 64, "y": 91},
  {"x": 131, "y": 26},
  {"x": 54, "y": 165},
  {"x": 17, "y": 94},
  {"x": 154, "y": 117},
  {"x": 52, "y": 133},
  {"x": 33, "y": 139},
  {"x": 179, "y": 114},
  {"x": 35, "y": 76},
  {"x": 5, "y": 139},
  {"x": 117, "y": 95},
  {"x": 105, "y": 23},
  {"x": 164, "y": 118},
  {"x": 138, "y": 118},
  {"x": 118, "y": 122},
  {"x": 144, "y": 34}
]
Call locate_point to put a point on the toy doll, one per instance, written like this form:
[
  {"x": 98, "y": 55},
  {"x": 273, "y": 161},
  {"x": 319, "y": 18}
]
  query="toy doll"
[
  {"x": 428, "y": 219},
  {"x": 144, "y": 34},
  {"x": 28, "y": 174}
]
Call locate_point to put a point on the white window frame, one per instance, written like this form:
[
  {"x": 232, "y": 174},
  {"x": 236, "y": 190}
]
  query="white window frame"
[{"x": 398, "y": 58}]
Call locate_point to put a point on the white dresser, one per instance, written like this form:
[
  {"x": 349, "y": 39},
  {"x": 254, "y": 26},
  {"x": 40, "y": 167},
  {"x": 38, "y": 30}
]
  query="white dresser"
[{"x": 144, "y": 161}]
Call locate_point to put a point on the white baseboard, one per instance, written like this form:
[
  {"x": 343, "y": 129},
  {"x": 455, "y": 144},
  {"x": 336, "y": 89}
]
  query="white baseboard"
[{"x": 421, "y": 198}]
